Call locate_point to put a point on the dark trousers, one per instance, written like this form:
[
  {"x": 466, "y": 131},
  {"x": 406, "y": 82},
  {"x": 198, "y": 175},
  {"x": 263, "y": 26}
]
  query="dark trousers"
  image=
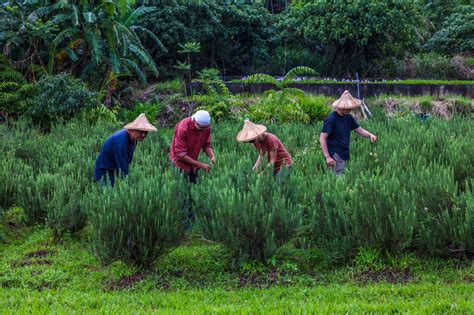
[
  {"x": 105, "y": 177},
  {"x": 191, "y": 178}
]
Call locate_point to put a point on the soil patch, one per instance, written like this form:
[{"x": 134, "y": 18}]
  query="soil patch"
[
  {"x": 385, "y": 275},
  {"x": 38, "y": 254},
  {"x": 262, "y": 280},
  {"x": 124, "y": 282},
  {"x": 469, "y": 278},
  {"x": 30, "y": 262}
]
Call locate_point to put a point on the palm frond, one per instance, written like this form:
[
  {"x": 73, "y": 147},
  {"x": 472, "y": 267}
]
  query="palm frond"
[
  {"x": 11, "y": 75},
  {"x": 71, "y": 54},
  {"x": 144, "y": 58},
  {"x": 114, "y": 62},
  {"x": 298, "y": 71},
  {"x": 261, "y": 78},
  {"x": 131, "y": 19},
  {"x": 152, "y": 36},
  {"x": 75, "y": 15},
  {"x": 42, "y": 12},
  {"x": 61, "y": 5},
  {"x": 133, "y": 67},
  {"x": 60, "y": 18},
  {"x": 95, "y": 47},
  {"x": 68, "y": 33},
  {"x": 125, "y": 44},
  {"x": 294, "y": 91}
]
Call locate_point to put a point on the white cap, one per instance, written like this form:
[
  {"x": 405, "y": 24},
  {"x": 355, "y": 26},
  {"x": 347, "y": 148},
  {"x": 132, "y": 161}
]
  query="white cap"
[{"x": 202, "y": 117}]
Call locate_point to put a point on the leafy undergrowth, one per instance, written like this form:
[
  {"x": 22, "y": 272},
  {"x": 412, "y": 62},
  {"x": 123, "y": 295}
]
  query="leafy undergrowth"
[{"x": 39, "y": 275}]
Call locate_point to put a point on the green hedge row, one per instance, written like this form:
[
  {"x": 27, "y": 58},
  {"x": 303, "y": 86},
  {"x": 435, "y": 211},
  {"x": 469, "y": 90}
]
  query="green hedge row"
[{"x": 413, "y": 191}]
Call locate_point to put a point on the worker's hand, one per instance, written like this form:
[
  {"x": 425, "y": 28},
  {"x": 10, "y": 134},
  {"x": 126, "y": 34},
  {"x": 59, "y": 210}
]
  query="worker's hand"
[
  {"x": 205, "y": 167},
  {"x": 212, "y": 160},
  {"x": 373, "y": 138},
  {"x": 330, "y": 161},
  {"x": 255, "y": 168}
]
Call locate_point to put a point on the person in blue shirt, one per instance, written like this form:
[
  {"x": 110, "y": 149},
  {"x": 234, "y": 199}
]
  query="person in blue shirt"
[
  {"x": 336, "y": 133},
  {"x": 117, "y": 152}
]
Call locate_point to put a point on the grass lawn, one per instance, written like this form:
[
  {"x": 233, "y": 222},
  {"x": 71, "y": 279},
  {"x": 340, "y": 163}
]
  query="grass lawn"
[{"x": 38, "y": 275}]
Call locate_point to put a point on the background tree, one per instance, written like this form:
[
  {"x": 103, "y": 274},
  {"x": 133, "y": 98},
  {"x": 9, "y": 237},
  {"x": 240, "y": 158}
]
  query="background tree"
[
  {"x": 457, "y": 33},
  {"x": 349, "y": 36}
]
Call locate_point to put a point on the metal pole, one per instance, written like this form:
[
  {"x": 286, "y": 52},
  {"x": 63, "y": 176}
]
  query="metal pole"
[{"x": 357, "y": 80}]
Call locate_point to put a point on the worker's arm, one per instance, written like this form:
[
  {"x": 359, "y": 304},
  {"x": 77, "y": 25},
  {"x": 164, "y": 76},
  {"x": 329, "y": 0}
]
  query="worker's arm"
[
  {"x": 364, "y": 133},
  {"x": 324, "y": 147},
  {"x": 210, "y": 153},
  {"x": 189, "y": 160},
  {"x": 257, "y": 163}
]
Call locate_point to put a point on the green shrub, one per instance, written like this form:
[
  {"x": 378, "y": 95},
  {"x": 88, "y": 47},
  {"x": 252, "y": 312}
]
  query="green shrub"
[
  {"x": 450, "y": 230},
  {"x": 431, "y": 66},
  {"x": 138, "y": 220},
  {"x": 35, "y": 195},
  {"x": 65, "y": 209},
  {"x": 281, "y": 107},
  {"x": 150, "y": 110},
  {"x": 209, "y": 74},
  {"x": 7, "y": 183},
  {"x": 16, "y": 94},
  {"x": 316, "y": 107},
  {"x": 169, "y": 87},
  {"x": 250, "y": 214},
  {"x": 426, "y": 103},
  {"x": 61, "y": 97}
]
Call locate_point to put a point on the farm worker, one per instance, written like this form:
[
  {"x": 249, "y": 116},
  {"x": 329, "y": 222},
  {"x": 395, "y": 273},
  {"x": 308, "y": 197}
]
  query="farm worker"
[
  {"x": 191, "y": 136},
  {"x": 117, "y": 152},
  {"x": 336, "y": 132},
  {"x": 266, "y": 144}
]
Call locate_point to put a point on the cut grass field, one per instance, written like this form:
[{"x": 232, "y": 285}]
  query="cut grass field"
[{"x": 38, "y": 275}]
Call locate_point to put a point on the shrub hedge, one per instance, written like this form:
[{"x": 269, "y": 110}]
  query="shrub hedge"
[{"x": 411, "y": 191}]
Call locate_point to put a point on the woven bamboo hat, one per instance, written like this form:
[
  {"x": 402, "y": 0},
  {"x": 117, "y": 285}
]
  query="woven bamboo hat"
[
  {"x": 141, "y": 123},
  {"x": 346, "y": 101},
  {"x": 250, "y": 131}
]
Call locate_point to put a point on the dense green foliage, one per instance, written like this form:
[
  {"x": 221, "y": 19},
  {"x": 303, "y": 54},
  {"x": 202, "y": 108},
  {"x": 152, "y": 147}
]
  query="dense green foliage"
[
  {"x": 457, "y": 32},
  {"x": 92, "y": 40},
  {"x": 16, "y": 94},
  {"x": 390, "y": 199},
  {"x": 113, "y": 41},
  {"x": 61, "y": 97},
  {"x": 137, "y": 221},
  {"x": 38, "y": 276}
]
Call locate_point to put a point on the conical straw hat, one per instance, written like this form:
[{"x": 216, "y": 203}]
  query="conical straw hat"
[
  {"x": 250, "y": 131},
  {"x": 141, "y": 123},
  {"x": 346, "y": 101}
]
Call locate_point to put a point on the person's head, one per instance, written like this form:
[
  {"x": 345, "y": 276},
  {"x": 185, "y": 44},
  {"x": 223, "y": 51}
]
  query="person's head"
[
  {"x": 202, "y": 119},
  {"x": 261, "y": 137},
  {"x": 345, "y": 103},
  {"x": 251, "y": 132},
  {"x": 343, "y": 111},
  {"x": 139, "y": 128},
  {"x": 137, "y": 135}
]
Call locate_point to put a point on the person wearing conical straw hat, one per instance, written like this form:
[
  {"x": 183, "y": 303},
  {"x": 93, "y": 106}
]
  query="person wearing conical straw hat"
[
  {"x": 265, "y": 143},
  {"x": 336, "y": 132},
  {"x": 117, "y": 152},
  {"x": 191, "y": 136}
]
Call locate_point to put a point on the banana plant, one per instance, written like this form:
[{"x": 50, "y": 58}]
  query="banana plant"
[{"x": 99, "y": 39}]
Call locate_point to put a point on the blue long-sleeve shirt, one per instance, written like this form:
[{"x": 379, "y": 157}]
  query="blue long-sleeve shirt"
[{"x": 116, "y": 154}]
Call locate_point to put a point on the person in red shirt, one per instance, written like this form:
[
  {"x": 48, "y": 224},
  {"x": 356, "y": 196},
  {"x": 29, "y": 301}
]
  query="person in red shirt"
[
  {"x": 191, "y": 136},
  {"x": 265, "y": 143}
]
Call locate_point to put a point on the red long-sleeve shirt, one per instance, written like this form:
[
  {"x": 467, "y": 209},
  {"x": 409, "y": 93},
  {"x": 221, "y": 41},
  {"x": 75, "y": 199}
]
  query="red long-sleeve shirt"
[
  {"x": 188, "y": 140},
  {"x": 272, "y": 143}
]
